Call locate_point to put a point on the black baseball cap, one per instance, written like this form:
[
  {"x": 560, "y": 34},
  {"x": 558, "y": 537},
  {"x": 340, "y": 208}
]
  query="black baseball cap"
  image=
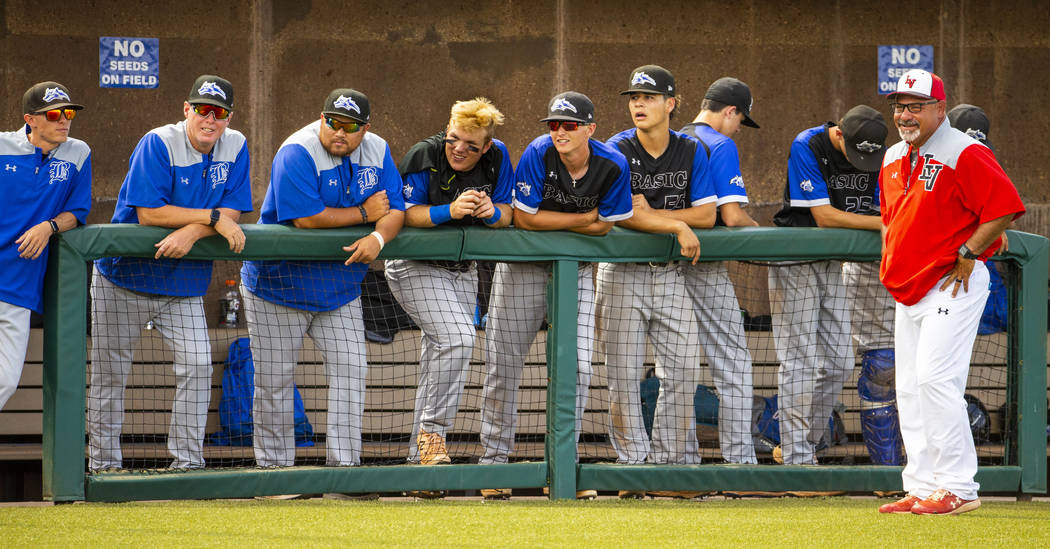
[
  {"x": 349, "y": 103},
  {"x": 972, "y": 121},
  {"x": 651, "y": 79},
  {"x": 733, "y": 92},
  {"x": 864, "y": 131},
  {"x": 209, "y": 89},
  {"x": 46, "y": 96},
  {"x": 571, "y": 106}
]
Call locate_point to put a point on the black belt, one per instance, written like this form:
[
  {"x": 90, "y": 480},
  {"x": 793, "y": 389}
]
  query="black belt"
[
  {"x": 455, "y": 266},
  {"x": 655, "y": 263}
]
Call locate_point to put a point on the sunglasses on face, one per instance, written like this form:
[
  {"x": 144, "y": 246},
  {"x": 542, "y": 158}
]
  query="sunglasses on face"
[
  {"x": 453, "y": 142},
  {"x": 348, "y": 127},
  {"x": 204, "y": 110},
  {"x": 569, "y": 126},
  {"x": 54, "y": 114},
  {"x": 914, "y": 108}
]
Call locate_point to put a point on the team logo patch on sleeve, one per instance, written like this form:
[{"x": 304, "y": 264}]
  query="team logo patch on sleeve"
[
  {"x": 211, "y": 88},
  {"x": 524, "y": 188},
  {"x": 563, "y": 105},
  {"x": 59, "y": 171},
  {"x": 51, "y": 94},
  {"x": 406, "y": 190},
  {"x": 346, "y": 103},
  {"x": 807, "y": 186},
  {"x": 737, "y": 181}
]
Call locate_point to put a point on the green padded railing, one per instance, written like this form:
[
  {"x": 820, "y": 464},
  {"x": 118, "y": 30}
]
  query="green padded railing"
[{"x": 65, "y": 359}]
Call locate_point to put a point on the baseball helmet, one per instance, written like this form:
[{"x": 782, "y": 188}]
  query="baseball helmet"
[
  {"x": 980, "y": 422},
  {"x": 765, "y": 425}
]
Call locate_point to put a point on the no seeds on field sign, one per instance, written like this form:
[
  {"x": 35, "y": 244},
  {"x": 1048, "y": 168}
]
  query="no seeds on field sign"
[
  {"x": 128, "y": 62},
  {"x": 894, "y": 61}
]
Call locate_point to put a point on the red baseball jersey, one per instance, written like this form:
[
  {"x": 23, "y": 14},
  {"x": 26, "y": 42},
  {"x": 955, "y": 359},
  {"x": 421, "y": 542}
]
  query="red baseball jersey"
[{"x": 931, "y": 210}]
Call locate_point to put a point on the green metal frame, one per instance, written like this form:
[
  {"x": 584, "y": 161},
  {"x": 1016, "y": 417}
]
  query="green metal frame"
[{"x": 65, "y": 357}]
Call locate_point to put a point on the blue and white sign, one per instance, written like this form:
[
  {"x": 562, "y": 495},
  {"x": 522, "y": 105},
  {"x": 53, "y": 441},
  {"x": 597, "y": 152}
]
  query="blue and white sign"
[
  {"x": 128, "y": 62},
  {"x": 894, "y": 61}
]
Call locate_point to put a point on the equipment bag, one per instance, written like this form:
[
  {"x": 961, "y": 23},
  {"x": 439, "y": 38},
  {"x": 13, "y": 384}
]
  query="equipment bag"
[
  {"x": 705, "y": 402},
  {"x": 995, "y": 315},
  {"x": 235, "y": 408}
]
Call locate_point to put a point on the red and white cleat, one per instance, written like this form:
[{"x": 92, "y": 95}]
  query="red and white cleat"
[
  {"x": 943, "y": 502},
  {"x": 902, "y": 505}
]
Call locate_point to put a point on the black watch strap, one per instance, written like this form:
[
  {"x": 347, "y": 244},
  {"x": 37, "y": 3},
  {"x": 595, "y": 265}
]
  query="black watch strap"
[
  {"x": 967, "y": 253},
  {"x": 215, "y": 215}
]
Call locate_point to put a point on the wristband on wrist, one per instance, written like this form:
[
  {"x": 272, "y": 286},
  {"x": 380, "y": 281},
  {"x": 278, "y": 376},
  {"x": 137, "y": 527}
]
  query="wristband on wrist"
[
  {"x": 440, "y": 214},
  {"x": 379, "y": 237},
  {"x": 364, "y": 214},
  {"x": 967, "y": 253},
  {"x": 215, "y": 215},
  {"x": 54, "y": 226},
  {"x": 495, "y": 217}
]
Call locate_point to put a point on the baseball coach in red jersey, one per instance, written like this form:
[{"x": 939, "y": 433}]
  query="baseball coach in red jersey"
[{"x": 945, "y": 204}]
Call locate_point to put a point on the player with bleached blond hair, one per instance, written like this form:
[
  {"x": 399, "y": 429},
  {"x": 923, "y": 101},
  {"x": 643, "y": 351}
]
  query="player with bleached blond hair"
[
  {"x": 461, "y": 176},
  {"x": 478, "y": 113}
]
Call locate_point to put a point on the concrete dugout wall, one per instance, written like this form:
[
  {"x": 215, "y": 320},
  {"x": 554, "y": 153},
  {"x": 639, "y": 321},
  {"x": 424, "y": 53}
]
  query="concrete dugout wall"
[{"x": 806, "y": 62}]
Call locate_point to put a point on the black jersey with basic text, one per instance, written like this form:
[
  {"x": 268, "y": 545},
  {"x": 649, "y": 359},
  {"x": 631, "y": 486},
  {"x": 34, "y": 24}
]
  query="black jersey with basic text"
[
  {"x": 818, "y": 174},
  {"x": 665, "y": 181}
]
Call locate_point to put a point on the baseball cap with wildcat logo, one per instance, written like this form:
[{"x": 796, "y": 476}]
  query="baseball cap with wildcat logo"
[
  {"x": 209, "y": 89},
  {"x": 45, "y": 96},
  {"x": 864, "y": 135},
  {"x": 570, "y": 106}
]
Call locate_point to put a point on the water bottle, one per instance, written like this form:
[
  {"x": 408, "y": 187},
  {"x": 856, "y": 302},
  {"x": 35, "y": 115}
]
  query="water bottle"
[{"x": 229, "y": 305}]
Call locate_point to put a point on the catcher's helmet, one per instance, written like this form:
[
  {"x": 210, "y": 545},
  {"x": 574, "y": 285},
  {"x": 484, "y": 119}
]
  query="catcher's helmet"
[{"x": 980, "y": 422}]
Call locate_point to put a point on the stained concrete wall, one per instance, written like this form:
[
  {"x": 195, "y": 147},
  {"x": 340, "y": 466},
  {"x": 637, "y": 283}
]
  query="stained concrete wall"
[{"x": 806, "y": 62}]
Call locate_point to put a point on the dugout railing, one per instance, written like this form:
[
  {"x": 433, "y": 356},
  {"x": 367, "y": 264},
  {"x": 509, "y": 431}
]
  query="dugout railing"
[{"x": 65, "y": 366}]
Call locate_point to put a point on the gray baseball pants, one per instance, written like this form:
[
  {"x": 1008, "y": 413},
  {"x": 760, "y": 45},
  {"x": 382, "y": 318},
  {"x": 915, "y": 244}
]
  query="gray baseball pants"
[
  {"x": 721, "y": 332},
  {"x": 14, "y": 340},
  {"x": 117, "y": 320},
  {"x": 811, "y": 328},
  {"x": 635, "y": 302},
  {"x": 872, "y": 305},
  {"x": 277, "y": 335},
  {"x": 517, "y": 310},
  {"x": 441, "y": 302}
]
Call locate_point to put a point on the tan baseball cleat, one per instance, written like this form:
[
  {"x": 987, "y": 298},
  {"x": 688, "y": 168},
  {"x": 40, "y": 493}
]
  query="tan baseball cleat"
[{"x": 432, "y": 449}]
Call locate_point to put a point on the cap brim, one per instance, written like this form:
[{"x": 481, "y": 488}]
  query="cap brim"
[
  {"x": 891, "y": 95},
  {"x": 60, "y": 106},
  {"x": 564, "y": 118},
  {"x": 646, "y": 90},
  {"x": 350, "y": 116},
  {"x": 207, "y": 101},
  {"x": 749, "y": 122},
  {"x": 865, "y": 162}
]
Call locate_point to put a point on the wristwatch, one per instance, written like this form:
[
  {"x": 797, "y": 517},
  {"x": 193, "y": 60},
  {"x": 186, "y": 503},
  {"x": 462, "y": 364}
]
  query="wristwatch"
[
  {"x": 967, "y": 253},
  {"x": 215, "y": 215}
]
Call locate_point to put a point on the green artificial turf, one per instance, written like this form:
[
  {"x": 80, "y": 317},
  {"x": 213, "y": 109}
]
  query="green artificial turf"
[{"x": 607, "y": 523}]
